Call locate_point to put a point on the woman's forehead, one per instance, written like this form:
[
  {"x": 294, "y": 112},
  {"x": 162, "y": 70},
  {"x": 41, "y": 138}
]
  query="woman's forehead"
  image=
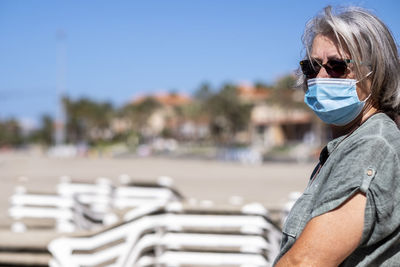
[{"x": 326, "y": 47}]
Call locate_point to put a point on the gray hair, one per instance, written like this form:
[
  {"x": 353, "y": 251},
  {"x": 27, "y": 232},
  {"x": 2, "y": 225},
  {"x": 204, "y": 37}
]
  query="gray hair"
[{"x": 370, "y": 44}]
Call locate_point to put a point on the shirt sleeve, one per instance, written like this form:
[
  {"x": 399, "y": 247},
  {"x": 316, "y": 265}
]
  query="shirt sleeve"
[{"x": 371, "y": 166}]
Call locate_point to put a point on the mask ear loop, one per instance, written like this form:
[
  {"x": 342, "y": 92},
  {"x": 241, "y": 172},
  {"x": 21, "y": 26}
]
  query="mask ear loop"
[
  {"x": 365, "y": 100},
  {"x": 369, "y": 73}
]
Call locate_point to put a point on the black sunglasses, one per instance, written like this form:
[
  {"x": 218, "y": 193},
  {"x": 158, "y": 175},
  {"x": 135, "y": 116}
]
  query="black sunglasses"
[{"x": 336, "y": 68}]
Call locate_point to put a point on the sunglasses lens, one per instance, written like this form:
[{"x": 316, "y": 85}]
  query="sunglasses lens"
[
  {"x": 309, "y": 69},
  {"x": 336, "y": 68}
]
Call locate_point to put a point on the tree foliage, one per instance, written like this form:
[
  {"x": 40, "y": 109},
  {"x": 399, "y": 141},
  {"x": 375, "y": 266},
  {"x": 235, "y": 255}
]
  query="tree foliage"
[
  {"x": 10, "y": 133},
  {"x": 204, "y": 92},
  {"x": 85, "y": 118},
  {"x": 263, "y": 86},
  {"x": 91, "y": 121},
  {"x": 285, "y": 94},
  {"x": 227, "y": 114},
  {"x": 286, "y": 82},
  {"x": 44, "y": 135},
  {"x": 139, "y": 113}
]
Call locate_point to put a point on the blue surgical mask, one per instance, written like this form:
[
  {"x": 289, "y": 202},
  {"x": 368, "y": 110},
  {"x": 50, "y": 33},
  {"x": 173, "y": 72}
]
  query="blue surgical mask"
[{"x": 335, "y": 101}]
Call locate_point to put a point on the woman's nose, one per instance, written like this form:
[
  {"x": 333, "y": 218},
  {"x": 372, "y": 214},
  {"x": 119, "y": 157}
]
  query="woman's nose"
[{"x": 322, "y": 73}]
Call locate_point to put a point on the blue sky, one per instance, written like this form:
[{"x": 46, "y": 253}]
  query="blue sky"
[{"x": 116, "y": 50}]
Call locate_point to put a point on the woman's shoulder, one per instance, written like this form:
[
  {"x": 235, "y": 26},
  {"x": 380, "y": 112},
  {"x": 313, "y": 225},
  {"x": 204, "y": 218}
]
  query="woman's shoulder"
[
  {"x": 379, "y": 124},
  {"x": 378, "y": 131},
  {"x": 367, "y": 161},
  {"x": 373, "y": 148}
]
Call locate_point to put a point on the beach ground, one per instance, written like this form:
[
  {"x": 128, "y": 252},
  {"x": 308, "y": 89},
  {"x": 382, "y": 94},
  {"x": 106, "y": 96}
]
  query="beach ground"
[{"x": 203, "y": 180}]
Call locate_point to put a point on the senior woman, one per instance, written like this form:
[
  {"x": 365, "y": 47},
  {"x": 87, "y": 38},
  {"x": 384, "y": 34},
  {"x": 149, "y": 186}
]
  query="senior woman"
[{"x": 349, "y": 214}]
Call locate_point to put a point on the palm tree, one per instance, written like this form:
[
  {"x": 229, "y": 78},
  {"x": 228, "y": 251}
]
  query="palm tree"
[
  {"x": 10, "y": 133},
  {"x": 86, "y": 117},
  {"x": 227, "y": 113}
]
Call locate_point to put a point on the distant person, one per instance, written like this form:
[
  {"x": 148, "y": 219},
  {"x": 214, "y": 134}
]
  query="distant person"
[{"x": 349, "y": 214}]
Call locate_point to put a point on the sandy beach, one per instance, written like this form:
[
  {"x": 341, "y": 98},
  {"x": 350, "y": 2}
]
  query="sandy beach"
[{"x": 268, "y": 184}]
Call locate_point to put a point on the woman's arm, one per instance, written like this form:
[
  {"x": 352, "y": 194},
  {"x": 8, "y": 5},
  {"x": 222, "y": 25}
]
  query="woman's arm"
[{"x": 329, "y": 238}]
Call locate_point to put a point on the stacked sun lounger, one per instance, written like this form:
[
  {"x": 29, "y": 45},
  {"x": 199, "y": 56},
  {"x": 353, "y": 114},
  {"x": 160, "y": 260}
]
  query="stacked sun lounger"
[
  {"x": 76, "y": 206},
  {"x": 135, "y": 223},
  {"x": 176, "y": 235}
]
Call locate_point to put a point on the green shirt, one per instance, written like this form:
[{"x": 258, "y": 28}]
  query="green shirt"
[{"x": 366, "y": 161}]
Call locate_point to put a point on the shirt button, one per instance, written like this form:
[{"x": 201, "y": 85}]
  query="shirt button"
[{"x": 369, "y": 172}]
